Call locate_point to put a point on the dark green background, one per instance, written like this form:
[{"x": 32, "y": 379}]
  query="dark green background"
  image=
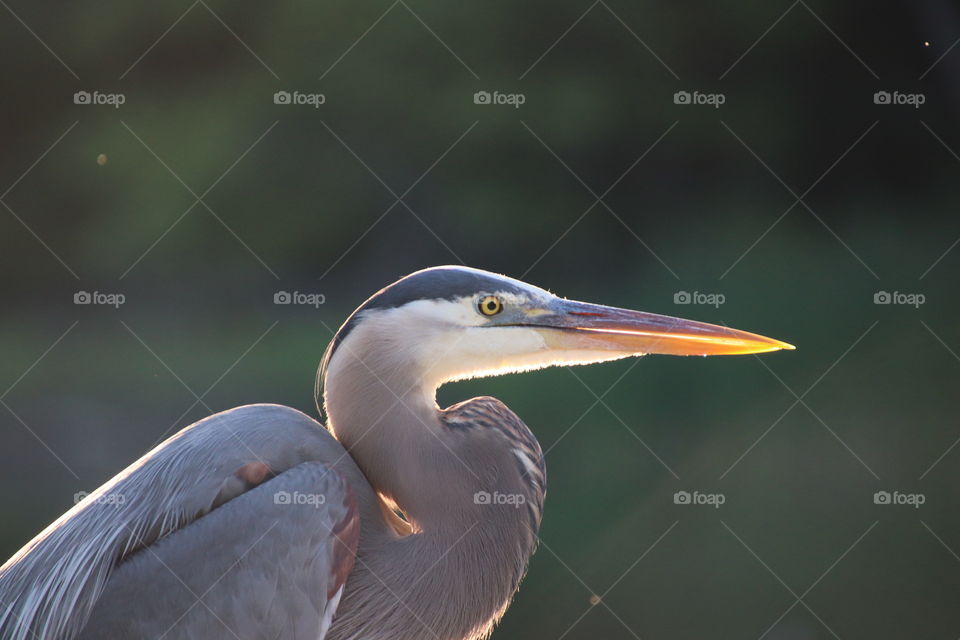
[{"x": 304, "y": 209}]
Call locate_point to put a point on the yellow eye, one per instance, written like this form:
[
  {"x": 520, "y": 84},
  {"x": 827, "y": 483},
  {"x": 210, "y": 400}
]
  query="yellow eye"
[{"x": 490, "y": 305}]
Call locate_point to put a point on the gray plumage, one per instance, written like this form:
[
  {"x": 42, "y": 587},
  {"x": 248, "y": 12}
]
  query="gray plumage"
[
  {"x": 181, "y": 513},
  {"x": 263, "y": 578},
  {"x": 399, "y": 520},
  {"x": 138, "y": 569}
]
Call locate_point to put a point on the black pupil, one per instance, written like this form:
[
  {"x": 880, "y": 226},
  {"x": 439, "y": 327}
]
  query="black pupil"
[{"x": 491, "y": 305}]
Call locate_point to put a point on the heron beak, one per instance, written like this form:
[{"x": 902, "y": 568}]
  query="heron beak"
[{"x": 581, "y": 325}]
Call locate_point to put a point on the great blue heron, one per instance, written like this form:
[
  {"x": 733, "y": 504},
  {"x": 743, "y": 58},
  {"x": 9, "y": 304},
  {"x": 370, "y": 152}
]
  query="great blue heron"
[{"x": 400, "y": 520}]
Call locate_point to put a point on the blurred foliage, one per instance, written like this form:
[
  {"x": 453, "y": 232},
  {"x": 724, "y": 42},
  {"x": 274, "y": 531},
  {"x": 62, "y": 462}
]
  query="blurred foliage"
[{"x": 297, "y": 198}]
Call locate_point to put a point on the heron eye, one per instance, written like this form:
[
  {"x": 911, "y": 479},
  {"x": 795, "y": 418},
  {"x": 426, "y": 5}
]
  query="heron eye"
[{"x": 490, "y": 305}]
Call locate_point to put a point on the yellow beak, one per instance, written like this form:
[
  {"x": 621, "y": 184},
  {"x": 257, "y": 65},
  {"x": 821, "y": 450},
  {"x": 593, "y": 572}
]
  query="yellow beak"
[{"x": 599, "y": 327}]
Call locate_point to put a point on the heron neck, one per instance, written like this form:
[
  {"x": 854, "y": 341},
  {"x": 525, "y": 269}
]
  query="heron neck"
[
  {"x": 389, "y": 424},
  {"x": 463, "y": 557}
]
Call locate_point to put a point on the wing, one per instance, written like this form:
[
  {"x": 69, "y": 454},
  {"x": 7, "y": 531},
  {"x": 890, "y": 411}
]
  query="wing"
[
  {"x": 270, "y": 563},
  {"x": 179, "y": 501}
]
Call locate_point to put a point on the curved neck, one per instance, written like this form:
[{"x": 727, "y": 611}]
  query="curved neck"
[
  {"x": 453, "y": 578},
  {"x": 386, "y": 422}
]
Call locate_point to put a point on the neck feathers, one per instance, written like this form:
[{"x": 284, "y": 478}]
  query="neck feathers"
[{"x": 471, "y": 481}]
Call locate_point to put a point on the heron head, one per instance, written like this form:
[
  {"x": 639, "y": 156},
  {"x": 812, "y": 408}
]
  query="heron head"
[{"x": 452, "y": 323}]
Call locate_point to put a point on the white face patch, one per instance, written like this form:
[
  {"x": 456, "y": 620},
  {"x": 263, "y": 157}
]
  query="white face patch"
[
  {"x": 456, "y": 341},
  {"x": 457, "y": 313},
  {"x": 442, "y": 341}
]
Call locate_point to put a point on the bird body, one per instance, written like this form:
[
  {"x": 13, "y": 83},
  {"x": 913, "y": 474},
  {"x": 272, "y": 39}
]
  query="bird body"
[
  {"x": 108, "y": 556},
  {"x": 197, "y": 546},
  {"x": 397, "y": 519}
]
